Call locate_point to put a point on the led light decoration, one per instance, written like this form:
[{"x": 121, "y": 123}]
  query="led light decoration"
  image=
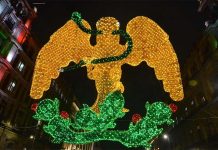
[
  {"x": 136, "y": 118},
  {"x": 146, "y": 41},
  {"x": 34, "y": 106},
  {"x": 64, "y": 114},
  {"x": 95, "y": 126},
  {"x": 173, "y": 107}
]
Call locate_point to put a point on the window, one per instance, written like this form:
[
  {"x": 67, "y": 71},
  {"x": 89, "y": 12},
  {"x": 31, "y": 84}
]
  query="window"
[
  {"x": 3, "y": 5},
  {"x": 19, "y": 7},
  {"x": 20, "y": 66},
  {"x": 12, "y": 53},
  {"x": 20, "y": 34},
  {"x": 23, "y": 14},
  {"x": 11, "y": 86},
  {"x": 14, "y": 2},
  {"x": 10, "y": 22}
]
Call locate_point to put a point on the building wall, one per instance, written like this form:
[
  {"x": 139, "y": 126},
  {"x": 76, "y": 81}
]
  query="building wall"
[
  {"x": 196, "y": 120},
  {"x": 18, "y": 51}
]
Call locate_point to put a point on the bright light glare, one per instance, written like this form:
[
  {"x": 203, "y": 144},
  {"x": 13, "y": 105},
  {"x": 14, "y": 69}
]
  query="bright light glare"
[
  {"x": 35, "y": 9},
  {"x": 31, "y": 136},
  {"x": 165, "y": 136},
  {"x": 12, "y": 53}
]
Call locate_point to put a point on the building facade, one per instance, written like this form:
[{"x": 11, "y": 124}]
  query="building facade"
[
  {"x": 18, "y": 51},
  {"x": 197, "y": 118},
  {"x": 69, "y": 103},
  {"x": 196, "y": 121}
]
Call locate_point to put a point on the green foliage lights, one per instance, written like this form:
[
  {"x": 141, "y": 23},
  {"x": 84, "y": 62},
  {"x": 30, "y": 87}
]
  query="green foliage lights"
[
  {"x": 110, "y": 110},
  {"x": 47, "y": 109},
  {"x": 95, "y": 125}
]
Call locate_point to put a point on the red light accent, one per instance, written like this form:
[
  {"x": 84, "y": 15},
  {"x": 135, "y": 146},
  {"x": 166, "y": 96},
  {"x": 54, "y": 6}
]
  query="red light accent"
[
  {"x": 136, "y": 118},
  {"x": 64, "y": 114},
  {"x": 34, "y": 107},
  {"x": 21, "y": 37},
  {"x": 28, "y": 23},
  {"x": 173, "y": 107}
]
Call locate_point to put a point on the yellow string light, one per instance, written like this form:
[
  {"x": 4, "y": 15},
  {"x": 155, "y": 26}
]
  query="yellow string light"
[{"x": 70, "y": 43}]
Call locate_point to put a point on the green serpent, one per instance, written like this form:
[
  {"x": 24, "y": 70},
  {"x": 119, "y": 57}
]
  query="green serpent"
[{"x": 77, "y": 18}]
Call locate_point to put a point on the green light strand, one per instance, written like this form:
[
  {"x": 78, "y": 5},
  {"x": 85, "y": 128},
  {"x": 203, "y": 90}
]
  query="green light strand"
[
  {"x": 95, "y": 126},
  {"x": 77, "y": 18},
  {"x": 123, "y": 55},
  {"x": 107, "y": 59},
  {"x": 73, "y": 67}
]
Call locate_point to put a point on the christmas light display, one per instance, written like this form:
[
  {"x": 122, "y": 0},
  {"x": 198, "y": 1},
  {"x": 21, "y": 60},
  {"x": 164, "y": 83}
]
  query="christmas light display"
[
  {"x": 62, "y": 129},
  {"x": 136, "y": 118},
  {"x": 146, "y": 41},
  {"x": 64, "y": 114},
  {"x": 173, "y": 107},
  {"x": 34, "y": 106}
]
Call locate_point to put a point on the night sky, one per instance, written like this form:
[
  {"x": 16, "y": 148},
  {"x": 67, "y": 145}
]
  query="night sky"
[{"x": 179, "y": 19}]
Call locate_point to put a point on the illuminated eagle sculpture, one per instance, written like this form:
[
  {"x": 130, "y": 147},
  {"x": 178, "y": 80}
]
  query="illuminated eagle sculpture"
[{"x": 146, "y": 41}]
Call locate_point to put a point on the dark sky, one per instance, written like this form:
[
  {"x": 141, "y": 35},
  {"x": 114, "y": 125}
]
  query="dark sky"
[{"x": 179, "y": 19}]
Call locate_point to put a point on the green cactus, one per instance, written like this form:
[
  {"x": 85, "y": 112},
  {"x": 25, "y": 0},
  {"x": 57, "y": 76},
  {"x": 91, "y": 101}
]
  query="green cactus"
[
  {"x": 47, "y": 109},
  {"x": 95, "y": 126}
]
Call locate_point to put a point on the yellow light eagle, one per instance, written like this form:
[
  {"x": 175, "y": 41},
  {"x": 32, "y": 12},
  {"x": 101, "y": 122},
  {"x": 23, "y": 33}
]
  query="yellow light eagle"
[{"x": 70, "y": 43}]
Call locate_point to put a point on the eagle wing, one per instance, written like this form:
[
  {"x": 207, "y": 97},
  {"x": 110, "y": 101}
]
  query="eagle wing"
[
  {"x": 67, "y": 44},
  {"x": 151, "y": 44}
]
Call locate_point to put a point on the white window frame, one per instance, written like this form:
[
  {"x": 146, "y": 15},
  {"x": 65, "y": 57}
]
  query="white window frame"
[
  {"x": 3, "y": 6},
  {"x": 11, "y": 86},
  {"x": 21, "y": 66}
]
